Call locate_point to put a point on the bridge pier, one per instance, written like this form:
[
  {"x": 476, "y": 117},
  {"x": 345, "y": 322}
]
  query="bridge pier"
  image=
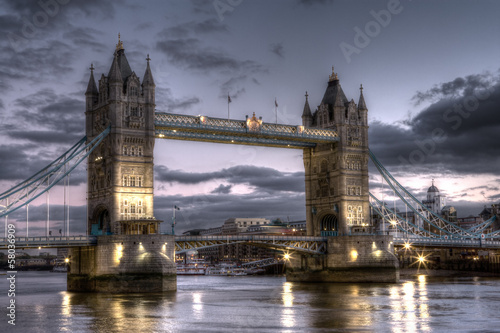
[
  {"x": 362, "y": 259},
  {"x": 124, "y": 264}
]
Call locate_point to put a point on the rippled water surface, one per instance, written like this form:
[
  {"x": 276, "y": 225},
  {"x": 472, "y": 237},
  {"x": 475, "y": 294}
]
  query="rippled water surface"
[{"x": 257, "y": 304}]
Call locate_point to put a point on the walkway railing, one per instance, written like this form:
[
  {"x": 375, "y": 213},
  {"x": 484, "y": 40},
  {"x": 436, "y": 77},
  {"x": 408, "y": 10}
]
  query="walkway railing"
[
  {"x": 307, "y": 244},
  {"x": 51, "y": 241},
  {"x": 202, "y": 128},
  {"x": 441, "y": 242}
]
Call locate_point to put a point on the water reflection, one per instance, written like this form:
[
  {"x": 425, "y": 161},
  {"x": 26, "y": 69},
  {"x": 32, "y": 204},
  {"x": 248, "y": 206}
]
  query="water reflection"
[
  {"x": 264, "y": 305},
  {"x": 409, "y": 306},
  {"x": 197, "y": 306},
  {"x": 287, "y": 313}
]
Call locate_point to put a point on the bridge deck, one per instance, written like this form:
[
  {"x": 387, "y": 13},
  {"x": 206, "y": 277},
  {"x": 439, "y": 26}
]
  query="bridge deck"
[
  {"x": 50, "y": 242},
  {"x": 298, "y": 243},
  {"x": 201, "y": 128}
]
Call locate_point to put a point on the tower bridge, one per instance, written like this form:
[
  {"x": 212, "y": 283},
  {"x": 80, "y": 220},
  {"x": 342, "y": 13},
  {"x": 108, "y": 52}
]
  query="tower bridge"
[{"x": 124, "y": 250}]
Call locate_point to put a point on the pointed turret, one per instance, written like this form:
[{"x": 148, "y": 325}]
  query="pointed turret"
[
  {"x": 91, "y": 87},
  {"x": 148, "y": 76},
  {"x": 148, "y": 85},
  {"x": 334, "y": 95},
  {"x": 362, "y": 109},
  {"x": 361, "y": 104},
  {"x": 307, "y": 114},
  {"x": 92, "y": 94},
  {"x": 114, "y": 72}
]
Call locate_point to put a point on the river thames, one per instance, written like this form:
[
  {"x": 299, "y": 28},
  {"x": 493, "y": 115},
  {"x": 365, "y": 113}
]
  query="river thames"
[{"x": 258, "y": 304}]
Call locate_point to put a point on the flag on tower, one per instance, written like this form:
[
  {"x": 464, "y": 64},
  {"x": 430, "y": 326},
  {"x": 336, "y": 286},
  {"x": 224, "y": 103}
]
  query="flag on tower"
[
  {"x": 175, "y": 207},
  {"x": 275, "y": 103},
  {"x": 228, "y": 98}
]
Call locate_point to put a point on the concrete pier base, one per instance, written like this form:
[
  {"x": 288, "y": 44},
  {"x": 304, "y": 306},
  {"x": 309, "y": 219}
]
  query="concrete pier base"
[
  {"x": 363, "y": 259},
  {"x": 124, "y": 264}
]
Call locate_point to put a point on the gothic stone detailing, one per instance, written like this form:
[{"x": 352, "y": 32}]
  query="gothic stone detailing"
[
  {"x": 337, "y": 173},
  {"x": 120, "y": 172}
]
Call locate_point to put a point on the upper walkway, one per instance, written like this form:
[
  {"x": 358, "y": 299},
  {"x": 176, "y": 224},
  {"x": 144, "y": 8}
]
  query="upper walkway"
[
  {"x": 250, "y": 132},
  {"x": 305, "y": 244}
]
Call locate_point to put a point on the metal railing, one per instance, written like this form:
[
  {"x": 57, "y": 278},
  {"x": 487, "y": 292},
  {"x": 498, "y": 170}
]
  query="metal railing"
[{"x": 50, "y": 241}]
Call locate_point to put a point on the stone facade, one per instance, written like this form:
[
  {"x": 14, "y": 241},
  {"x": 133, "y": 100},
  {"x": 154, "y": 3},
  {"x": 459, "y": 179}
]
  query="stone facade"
[
  {"x": 120, "y": 170},
  {"x": 124, "y": 263},
  {"x": 336, "y": 175},
  {"x": 348, "y": 259}
]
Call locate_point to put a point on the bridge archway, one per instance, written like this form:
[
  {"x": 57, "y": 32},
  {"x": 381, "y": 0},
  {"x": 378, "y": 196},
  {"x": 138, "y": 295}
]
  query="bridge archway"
[
  {"x": 100, "y": 223},
  {"x": 329, "y": 225}
]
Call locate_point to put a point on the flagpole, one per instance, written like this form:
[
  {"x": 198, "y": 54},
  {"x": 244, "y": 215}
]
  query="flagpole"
[
  {"x": 228, "y": 101},
  {"x": 173, "y": 220},
  {"x": 276, "y": 109}
]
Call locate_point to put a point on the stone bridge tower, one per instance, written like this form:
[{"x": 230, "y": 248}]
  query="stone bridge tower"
[
  {"x": 120, "y": 170},
  {"x": 336, "y": 175}
]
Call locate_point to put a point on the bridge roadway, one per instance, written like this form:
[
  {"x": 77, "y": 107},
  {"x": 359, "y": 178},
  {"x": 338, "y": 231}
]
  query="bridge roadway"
[{"x": 305, "y": 244}]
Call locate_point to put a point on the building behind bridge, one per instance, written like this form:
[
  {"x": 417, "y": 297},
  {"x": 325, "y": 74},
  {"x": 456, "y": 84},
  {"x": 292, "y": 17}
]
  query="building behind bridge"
[{"x": 246, "y": 226}]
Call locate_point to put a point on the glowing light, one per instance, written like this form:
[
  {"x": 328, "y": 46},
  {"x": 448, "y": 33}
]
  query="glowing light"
[
  {"x": 66, "y": 260},
  {"x": 161, "y": 135},
  {"x": 286, "y": 256},
  {"x": 354, "y": 255},
  {"x": 407, "y": 245},
  {"x": 118, "y": 253},
  {"x": 421, "y": 259},
  {"x": 393, "y": 222}
]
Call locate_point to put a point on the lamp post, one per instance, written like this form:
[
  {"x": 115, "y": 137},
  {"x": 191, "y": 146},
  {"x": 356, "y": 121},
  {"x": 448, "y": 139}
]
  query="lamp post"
[{"x": 173, "y": 218}]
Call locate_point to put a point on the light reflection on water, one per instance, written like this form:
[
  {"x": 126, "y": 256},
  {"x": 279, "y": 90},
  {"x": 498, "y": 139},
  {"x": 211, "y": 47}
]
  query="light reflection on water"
[{"x": 259, "y": 304}]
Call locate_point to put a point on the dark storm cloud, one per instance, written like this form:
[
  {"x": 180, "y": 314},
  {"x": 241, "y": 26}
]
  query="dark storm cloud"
[
  {"x": 38, "y": 217},
  {"x": 315, "y": 2},
  {"x": 261, "y": 178},
  {"x": 460, "y": 86},
  {"x": 168, "y": 103},
  {"x": 191, "y": 54},
  {"x": 184, "y": 30},
  {"x": 49, "y": 61},
  {"x": 183, "y": 47},
  {"x": 47, "y": 114},
  {"x": 234, "y": 87},
  {"x": 446, "y": 135},
  {"x": 85, "y": 38},
  {"x": 222, "y": 189},
  {"x": 20, "y": 161},
  {"x": 205, "y": 211},
  {"x": 28, "y": 8},
  {"x": 16, "y": 163},
  {"x": 182, "y": 104},
  {"x": 278, "y": 50}
]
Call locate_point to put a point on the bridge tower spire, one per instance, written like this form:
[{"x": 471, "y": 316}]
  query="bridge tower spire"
[
  {"x": 337, "y": 173},
  {"x": 120, "y": 171}
]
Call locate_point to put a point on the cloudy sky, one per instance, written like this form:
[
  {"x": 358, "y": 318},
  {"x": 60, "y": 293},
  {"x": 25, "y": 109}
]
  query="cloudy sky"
[{"x": 430, "y": 72}]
